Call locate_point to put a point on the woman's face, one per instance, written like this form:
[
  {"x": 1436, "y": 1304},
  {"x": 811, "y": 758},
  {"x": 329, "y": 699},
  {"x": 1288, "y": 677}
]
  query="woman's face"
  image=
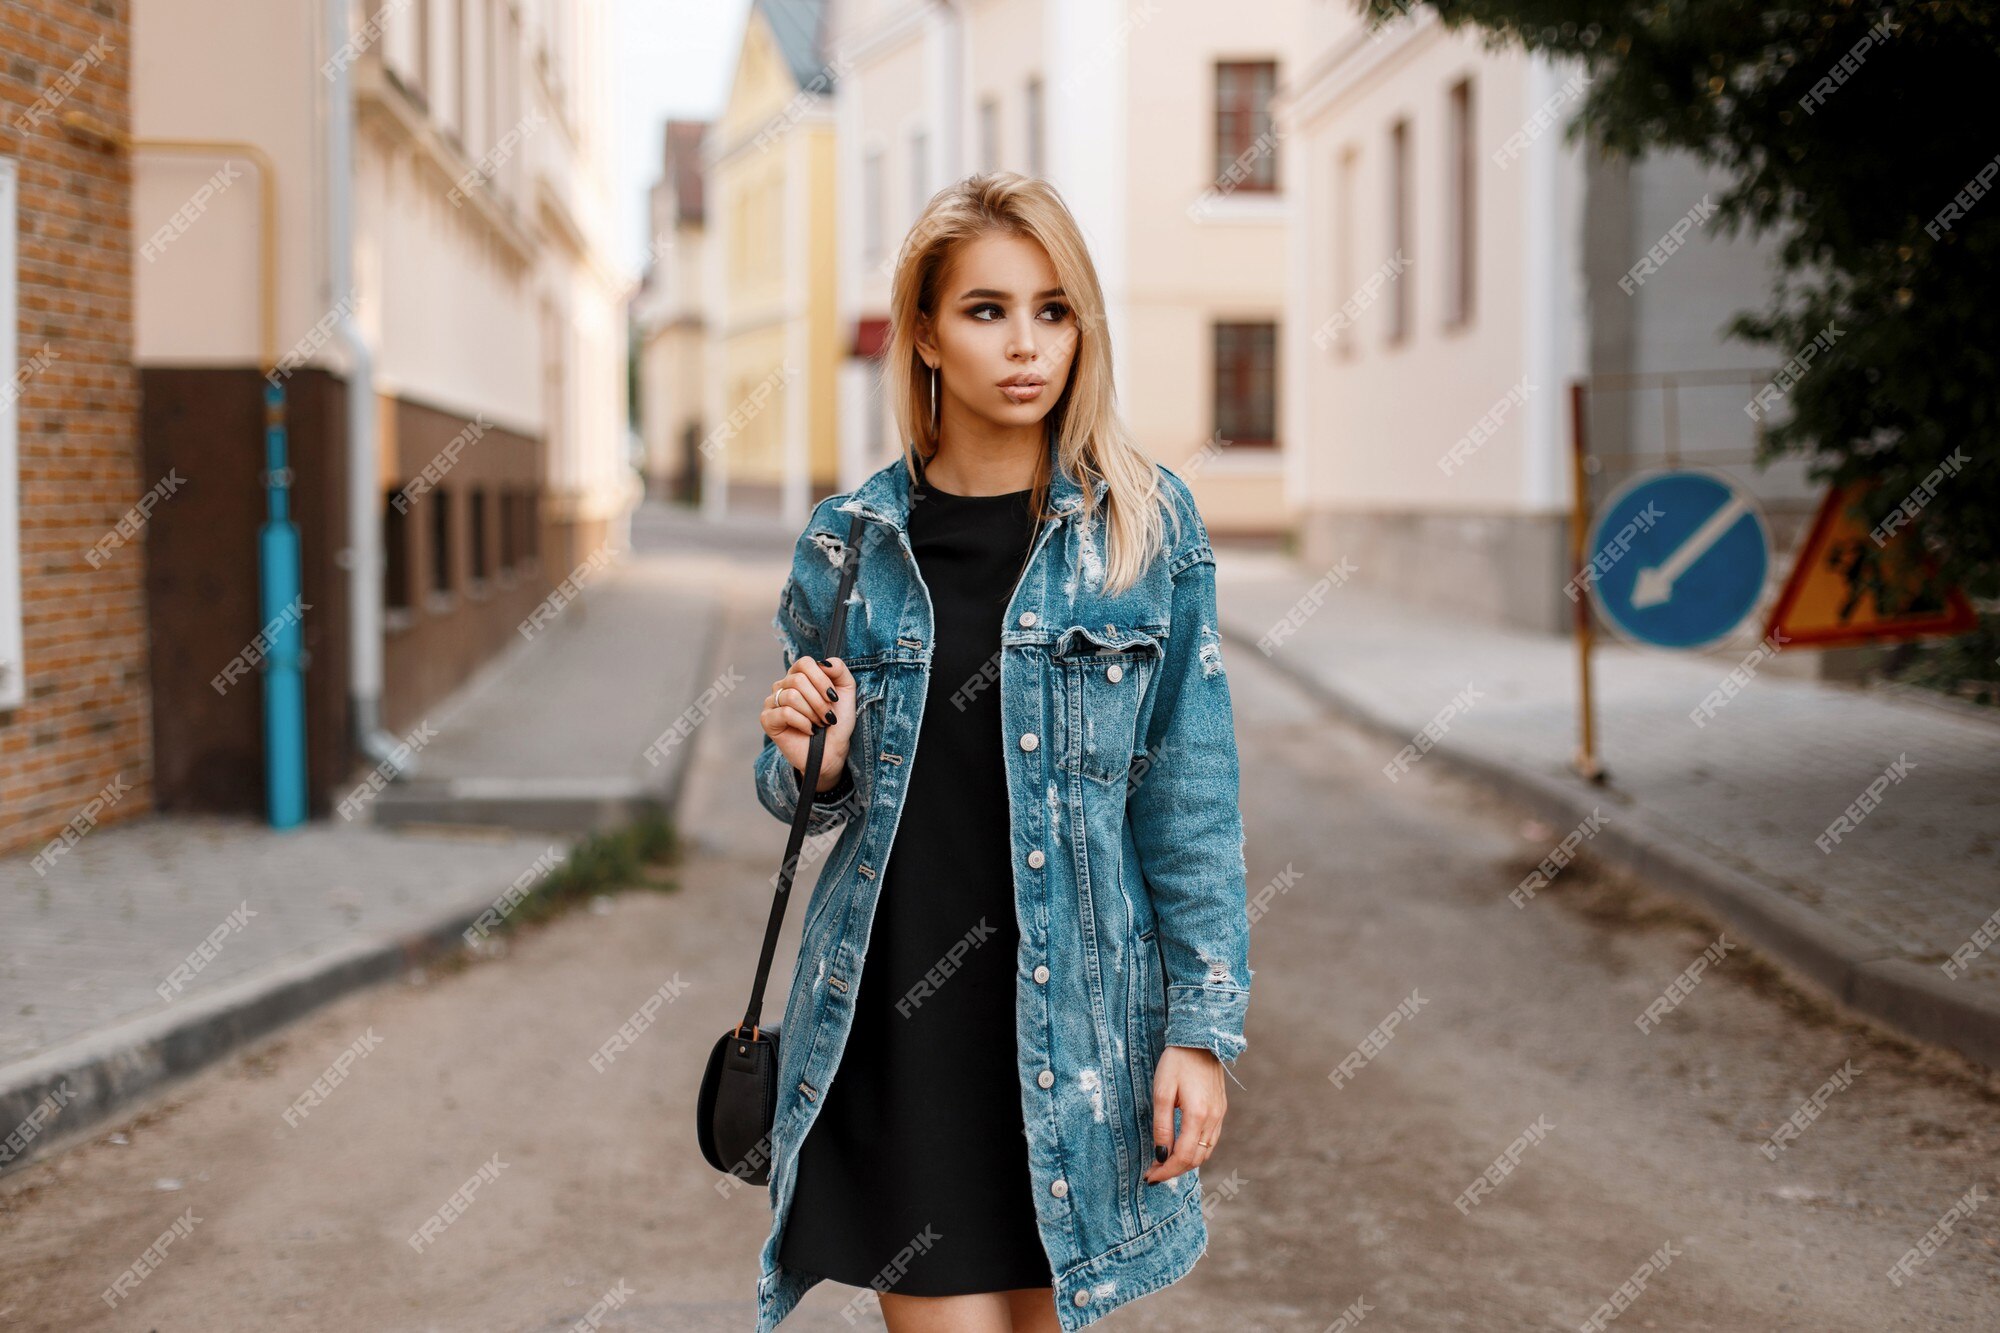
[{"x": 1001, "y": 318}]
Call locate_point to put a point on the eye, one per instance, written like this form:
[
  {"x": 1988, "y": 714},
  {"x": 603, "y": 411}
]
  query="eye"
[
  {"x": 1062, "y": 311},
  {"x": 984, "y": 305}
]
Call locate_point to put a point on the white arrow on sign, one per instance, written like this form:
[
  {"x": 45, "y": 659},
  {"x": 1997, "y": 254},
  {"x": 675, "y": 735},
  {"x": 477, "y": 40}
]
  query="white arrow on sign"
[{"x": 1656, "y": 585}]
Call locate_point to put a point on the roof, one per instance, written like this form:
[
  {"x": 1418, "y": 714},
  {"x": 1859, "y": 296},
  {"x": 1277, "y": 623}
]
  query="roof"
[{"x": 799, "y": 28}]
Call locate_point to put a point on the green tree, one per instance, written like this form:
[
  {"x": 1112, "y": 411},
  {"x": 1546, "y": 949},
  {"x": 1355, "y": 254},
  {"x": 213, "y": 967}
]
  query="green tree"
[{"x": 1863, "y": 137}]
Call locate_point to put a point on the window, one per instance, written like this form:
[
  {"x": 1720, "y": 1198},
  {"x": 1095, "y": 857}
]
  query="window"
[
  {"x": 475, "y": 533},
  {"x": 489, "y": 25},
  {"x": 1246, "y": 383},
  {"x": 871, "y": 206},
  {"x": 1034, "y": 101},
  {"x": 531, "y": 527},
  {"x": 396, "y": 552},
  {"x": 423, "y": 70},
  {"x": 510, "y": 551},
  {"x": 440, "y": 507},
  {"x": 1399, "y": 227},
  {"x": 1346, "y": 176},
  {"x": 1462, "y": 183},
  {"x": 989, "y": 135},
  {"x": 1246, "y": 155},
  {"x": 920, "y": 175},
  {"x": 461, "y": 124}
]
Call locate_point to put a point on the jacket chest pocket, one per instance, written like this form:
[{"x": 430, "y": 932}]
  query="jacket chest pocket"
[{"x": 1104, "y": 671}]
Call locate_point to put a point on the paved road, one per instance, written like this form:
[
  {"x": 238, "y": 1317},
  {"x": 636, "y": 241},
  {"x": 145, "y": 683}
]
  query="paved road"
[{"x": 1626, "y": 1146}]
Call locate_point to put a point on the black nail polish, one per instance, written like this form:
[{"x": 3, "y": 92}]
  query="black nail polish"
[
  {"x": 833, "y": 694},
  {"x": 830, "y": 719},
  {"x": 1160, "y": 1154}
]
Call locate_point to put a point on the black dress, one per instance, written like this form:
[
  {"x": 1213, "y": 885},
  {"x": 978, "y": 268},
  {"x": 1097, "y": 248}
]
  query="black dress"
[{"x": 919, "y": 1148}]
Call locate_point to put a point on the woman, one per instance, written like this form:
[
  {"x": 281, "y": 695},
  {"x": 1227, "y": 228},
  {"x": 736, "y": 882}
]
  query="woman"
[{"x": 1005, "y": 1044}]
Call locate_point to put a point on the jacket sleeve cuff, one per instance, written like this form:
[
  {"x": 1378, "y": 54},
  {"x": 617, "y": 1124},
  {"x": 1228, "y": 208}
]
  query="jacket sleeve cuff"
[
  {"x": 1209, "y": 1018},
  {"x": 834, "y": 795}
]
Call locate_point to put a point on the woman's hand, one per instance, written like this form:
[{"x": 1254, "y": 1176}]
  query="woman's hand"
[
  {"x": 1190, "y": 1077},
  {"x": 812, "y": 697}
]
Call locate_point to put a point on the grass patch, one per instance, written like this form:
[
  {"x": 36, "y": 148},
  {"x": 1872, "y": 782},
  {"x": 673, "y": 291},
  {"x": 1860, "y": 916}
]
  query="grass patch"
[{"x": 603, "y": 862}]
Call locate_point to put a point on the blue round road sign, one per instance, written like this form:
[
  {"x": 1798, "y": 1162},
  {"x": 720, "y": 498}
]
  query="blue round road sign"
[{"x": 1678, "y": 559}]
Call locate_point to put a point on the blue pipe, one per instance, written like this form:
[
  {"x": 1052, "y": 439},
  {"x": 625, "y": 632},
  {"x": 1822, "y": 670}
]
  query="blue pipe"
[{"x": 279, "y": 582}]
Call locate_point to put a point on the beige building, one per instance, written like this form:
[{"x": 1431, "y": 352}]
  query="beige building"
[
  {"x": 669, "y": 319},
  {"x": 1454, "y": 267},
  {"x": 1154, "y": 123},
  {"x": 768, "y": 431},
  {"x": 403, "y": 207}
]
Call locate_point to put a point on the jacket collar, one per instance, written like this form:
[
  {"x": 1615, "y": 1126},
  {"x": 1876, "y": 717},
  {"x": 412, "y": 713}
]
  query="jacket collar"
[{"x": 885, "y": 496}]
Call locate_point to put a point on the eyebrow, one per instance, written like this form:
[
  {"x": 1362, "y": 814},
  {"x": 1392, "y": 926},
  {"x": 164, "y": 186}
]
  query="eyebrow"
[{"x": 990, "y": 293}]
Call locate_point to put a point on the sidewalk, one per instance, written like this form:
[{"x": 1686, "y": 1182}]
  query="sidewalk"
[
  {"x": 265, "y": 925},
  {"x": 1728, "y": 811}
]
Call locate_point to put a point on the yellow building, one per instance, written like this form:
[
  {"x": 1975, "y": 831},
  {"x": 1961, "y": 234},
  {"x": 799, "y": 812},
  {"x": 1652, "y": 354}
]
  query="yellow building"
[{"x": 770, "y": 422}]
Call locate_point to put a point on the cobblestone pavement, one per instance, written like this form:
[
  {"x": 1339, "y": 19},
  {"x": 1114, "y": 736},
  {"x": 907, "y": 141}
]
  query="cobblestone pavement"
[{"x": 86, "y": 946}]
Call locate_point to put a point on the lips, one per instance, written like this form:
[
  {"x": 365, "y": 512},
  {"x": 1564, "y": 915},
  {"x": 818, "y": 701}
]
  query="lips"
[{"x": 1022, "y": 382}]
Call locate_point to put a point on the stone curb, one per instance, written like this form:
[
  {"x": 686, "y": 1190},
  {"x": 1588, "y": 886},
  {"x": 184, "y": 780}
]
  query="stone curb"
[
  {"x": 109, "y": 1071},
  {"x": 1916, "y": 1001},
  {"x": 105, "y": 1072}
]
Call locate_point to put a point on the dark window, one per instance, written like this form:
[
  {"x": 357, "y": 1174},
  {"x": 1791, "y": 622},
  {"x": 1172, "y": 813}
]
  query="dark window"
[
  {"x": 1399, "y": 227},
  {"x": 396, "y": 550},
  {"x": 1246, "y": 384},
  {"x": 439, "y": 503},
  {"x": 531, "y": 527},
  {"x": 510, "y": 551},
  {"x": 1464, "y": 200},
  {"x": 1246, "y": 158},
  {"x": 475, "y": 532}
]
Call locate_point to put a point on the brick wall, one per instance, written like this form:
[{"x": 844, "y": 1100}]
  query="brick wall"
[{"x": 87, "y": 723}]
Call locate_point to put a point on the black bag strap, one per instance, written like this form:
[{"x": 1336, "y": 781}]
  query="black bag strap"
[{"x": 850, "y": 561}]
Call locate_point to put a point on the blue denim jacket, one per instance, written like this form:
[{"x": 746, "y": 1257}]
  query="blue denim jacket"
[{"x": 1128, "y": 864}]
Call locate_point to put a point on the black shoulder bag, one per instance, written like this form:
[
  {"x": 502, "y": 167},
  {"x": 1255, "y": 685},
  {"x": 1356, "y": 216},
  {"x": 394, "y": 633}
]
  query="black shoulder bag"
[{"x": 739, "y": 1090}]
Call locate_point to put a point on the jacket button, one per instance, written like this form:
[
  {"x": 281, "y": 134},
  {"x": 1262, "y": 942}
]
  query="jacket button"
[
  {"x": 1046, "y": 1078},
  {"x": 1081, "y": 1298},
  {"x": 1027, "y": 617},
  {"x": 1042, "y": 973},
  {"x": 1114, "y": 673},
  {"x": 1036, "y": 859},
  {"x": 1061, "y": 1190},
  {"x": 1029, "y": 741}
]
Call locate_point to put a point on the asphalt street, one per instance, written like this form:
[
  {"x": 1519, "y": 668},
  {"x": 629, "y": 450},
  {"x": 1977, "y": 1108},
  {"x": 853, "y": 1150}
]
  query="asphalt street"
[{"x": 1614, "y": 1152}]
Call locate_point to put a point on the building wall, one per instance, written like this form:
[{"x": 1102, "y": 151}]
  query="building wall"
[
  {"x": 770, "y": 191},
  {"x": 481, "y": 202},
  {"x": 1127, "y": 137},
  {"x": 77, "y": 717},
  {"x": 206, "y": 424},
  {"x": 1195, "y": 258},
  {"x": 1435, "y": 462}
]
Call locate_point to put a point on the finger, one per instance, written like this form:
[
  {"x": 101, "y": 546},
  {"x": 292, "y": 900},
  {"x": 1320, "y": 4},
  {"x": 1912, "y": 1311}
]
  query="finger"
[
  {"x": 843, "y": 679},
  {"x": 779, "y": 718},
  {"x": 1197, "y": 1128},
  {"x": 1163, "y": 1128},
  {"x": 811, "y": 693},
  {"x": 794, "y": 701},
  {"x": 817, "y": 683}
]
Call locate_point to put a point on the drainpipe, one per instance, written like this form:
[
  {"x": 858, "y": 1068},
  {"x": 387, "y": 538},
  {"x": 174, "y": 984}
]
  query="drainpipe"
[
  {"x": 278, "y": 566},
  {"x": 364, "y": 515}
]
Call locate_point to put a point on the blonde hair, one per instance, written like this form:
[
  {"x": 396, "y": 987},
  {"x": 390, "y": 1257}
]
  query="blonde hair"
[{"x": 1091, "y": 440}]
